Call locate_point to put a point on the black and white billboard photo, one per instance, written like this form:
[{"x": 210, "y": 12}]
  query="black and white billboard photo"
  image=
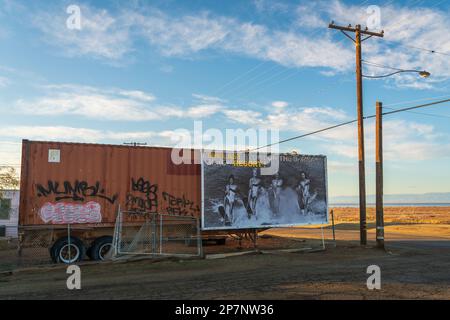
[{"x": 241, "y": 194}]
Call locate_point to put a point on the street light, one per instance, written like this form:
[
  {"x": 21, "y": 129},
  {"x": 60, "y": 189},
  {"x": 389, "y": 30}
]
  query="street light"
[{"x": 423, "y": 74}]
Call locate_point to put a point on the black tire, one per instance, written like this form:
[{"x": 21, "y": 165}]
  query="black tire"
[
  {"x": 51, "y": 251},
  {"x": 100, "y": 248},
  {"x": 59, "y": 250},
  {"x": 89, "y": 252}
]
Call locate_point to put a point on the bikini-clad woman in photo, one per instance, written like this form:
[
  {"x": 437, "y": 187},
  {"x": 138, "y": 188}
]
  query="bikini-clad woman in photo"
[
  {"x": 276, "y": 186},
  {"x": 230, "y": 198},
  {"x": 254, "y": 190},
  {"x": 304, "y": 195}
]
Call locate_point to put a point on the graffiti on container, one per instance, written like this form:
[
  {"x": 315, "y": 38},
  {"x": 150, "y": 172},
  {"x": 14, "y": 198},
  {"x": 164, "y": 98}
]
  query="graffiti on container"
[
  {"x": 69, "y": 213},
  {"x": 78, "y": 191},
  {"x": 179, "y": 206},
  {"x": 144, "y": 196}
]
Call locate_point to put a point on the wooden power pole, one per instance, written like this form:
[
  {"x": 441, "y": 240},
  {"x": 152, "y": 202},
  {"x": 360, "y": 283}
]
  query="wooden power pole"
[
  {"x": 359, "y": 94},
  {"x": 379, "y": 176}
]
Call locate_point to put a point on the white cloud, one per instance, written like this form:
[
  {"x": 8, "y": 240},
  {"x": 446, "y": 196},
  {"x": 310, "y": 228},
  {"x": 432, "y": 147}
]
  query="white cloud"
[
  {"x": 208, "y": 99},
  {"x": 66, "y": 133},
  {"x": 425, "y": 26},
  {"x": 193, "y": 33},
  {"x": 10, "y": 153},
  {"x": 402, "y": 141},
  {"x": 102, "y": 35},
  {"x": 308, "y": 16},
  {"x": 280, "y": 104},
  {"x": 112, "y": 36},
  {"x": 138, "y": 95},
  {"x": 203, "y": 111},
  {"x": 247, "y": 117},
  {"x": 180, "y": 36},
  {"x": 4, "y": 82},
  {"x": 270, "y": 6},
  {"x": 49, "y": 133},
  {"x": 300, "y": 120},
  {"x": 108, "y": 104}
]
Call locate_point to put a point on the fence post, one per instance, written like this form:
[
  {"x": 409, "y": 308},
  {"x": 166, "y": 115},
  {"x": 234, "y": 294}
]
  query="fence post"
[
  {"x": 323, "y": 238},
  {"x": 153, "y": 228},
  {"x": 199, "y": 239},
  {"x": 68, "y": 240},
  {"x": 19, "y": 245},
  {"x": 117, "y": 232},
  {"x": 332, "y": 227},
  {"x": 160, "y": 234}
]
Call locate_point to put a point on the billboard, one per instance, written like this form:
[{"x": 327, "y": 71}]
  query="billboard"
[{"x": 242, "y": 191}]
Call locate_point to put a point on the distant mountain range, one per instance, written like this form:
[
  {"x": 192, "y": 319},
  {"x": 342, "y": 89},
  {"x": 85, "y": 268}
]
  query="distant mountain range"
[{"x": 429, "y": 198}]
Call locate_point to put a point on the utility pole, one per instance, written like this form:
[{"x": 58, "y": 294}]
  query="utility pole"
[
  {"x": 359, "y": 94},
  {"x": 379, "y": 176}
]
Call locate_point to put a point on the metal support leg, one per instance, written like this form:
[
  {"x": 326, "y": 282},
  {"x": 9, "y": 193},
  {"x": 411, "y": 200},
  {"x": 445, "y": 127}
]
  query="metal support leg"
[{"x": 323, "y": 238}]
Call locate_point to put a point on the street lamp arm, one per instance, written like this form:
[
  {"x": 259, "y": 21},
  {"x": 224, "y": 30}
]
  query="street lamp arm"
[{"x": 423, "y": 74}]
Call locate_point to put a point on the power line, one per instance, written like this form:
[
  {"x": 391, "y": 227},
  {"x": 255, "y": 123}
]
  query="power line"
[
  {"x": 239, "y": 77},
  {"x": 421, "y": 49},
  {"x": 417, "y": 100},
  {"x": 423, "y": 114},
  {"x": 428, "y": 50},
  {"x": 415, "y": 107},
  {"x": 432, "y": 51},
  {"x": 255, "y": 84},
  {"x": 239, "y": 87},
  {"x": 251, "y": 80},
  {"x": 255, "y": 88},
  {"x": 350, "y": 122},
  {"x": 307, "y": 134},
  {"x": 374, "y": 64}
]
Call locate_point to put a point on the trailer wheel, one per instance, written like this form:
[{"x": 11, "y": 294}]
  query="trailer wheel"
[
  {"x": 51, "y": 251},
  {"x": 101, "y": 248},
  {"x": 61, "y": 249},
  {"x": 89, "y": 252}
]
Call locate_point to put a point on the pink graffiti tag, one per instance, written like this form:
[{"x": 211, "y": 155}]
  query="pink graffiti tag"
[{"x": 66, "y": 213}]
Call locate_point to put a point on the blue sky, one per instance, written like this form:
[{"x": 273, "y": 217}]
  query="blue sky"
[{"x": 139, "y": 70}]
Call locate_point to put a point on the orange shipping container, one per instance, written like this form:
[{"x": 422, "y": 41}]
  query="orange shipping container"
[{"x": 81, "y": 183}]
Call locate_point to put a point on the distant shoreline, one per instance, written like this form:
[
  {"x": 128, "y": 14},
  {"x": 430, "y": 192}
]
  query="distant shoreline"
[{"x": 354, "y": 205}]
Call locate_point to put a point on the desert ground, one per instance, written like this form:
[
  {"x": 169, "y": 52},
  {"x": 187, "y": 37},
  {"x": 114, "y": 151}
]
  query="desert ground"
[{"x": 415, "y": 265}]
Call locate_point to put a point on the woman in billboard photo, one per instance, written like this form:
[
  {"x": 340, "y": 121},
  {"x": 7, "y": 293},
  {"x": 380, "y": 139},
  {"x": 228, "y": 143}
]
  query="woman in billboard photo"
[
  {"x": 230, "y": 199},
  {"x": 304, "y": 195},
  {"x": 258, "y": 199},
  {"x": 254, "y": 189},
  {"x": 275, "y": 189}
]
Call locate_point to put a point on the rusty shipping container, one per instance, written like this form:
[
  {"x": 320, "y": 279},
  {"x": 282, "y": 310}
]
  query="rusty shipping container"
[{"x": 80, "y": 183}]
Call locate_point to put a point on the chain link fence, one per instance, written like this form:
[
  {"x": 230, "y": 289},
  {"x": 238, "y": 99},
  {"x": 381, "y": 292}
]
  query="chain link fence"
[
  {"x": 29, "y": 250},
  {"x": 152, "y": 235},
  {"x": 157, "y": 235}
]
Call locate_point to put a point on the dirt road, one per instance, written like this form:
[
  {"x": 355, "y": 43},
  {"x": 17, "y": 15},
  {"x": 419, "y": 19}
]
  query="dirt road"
[{"x": 409, "y": 271}]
